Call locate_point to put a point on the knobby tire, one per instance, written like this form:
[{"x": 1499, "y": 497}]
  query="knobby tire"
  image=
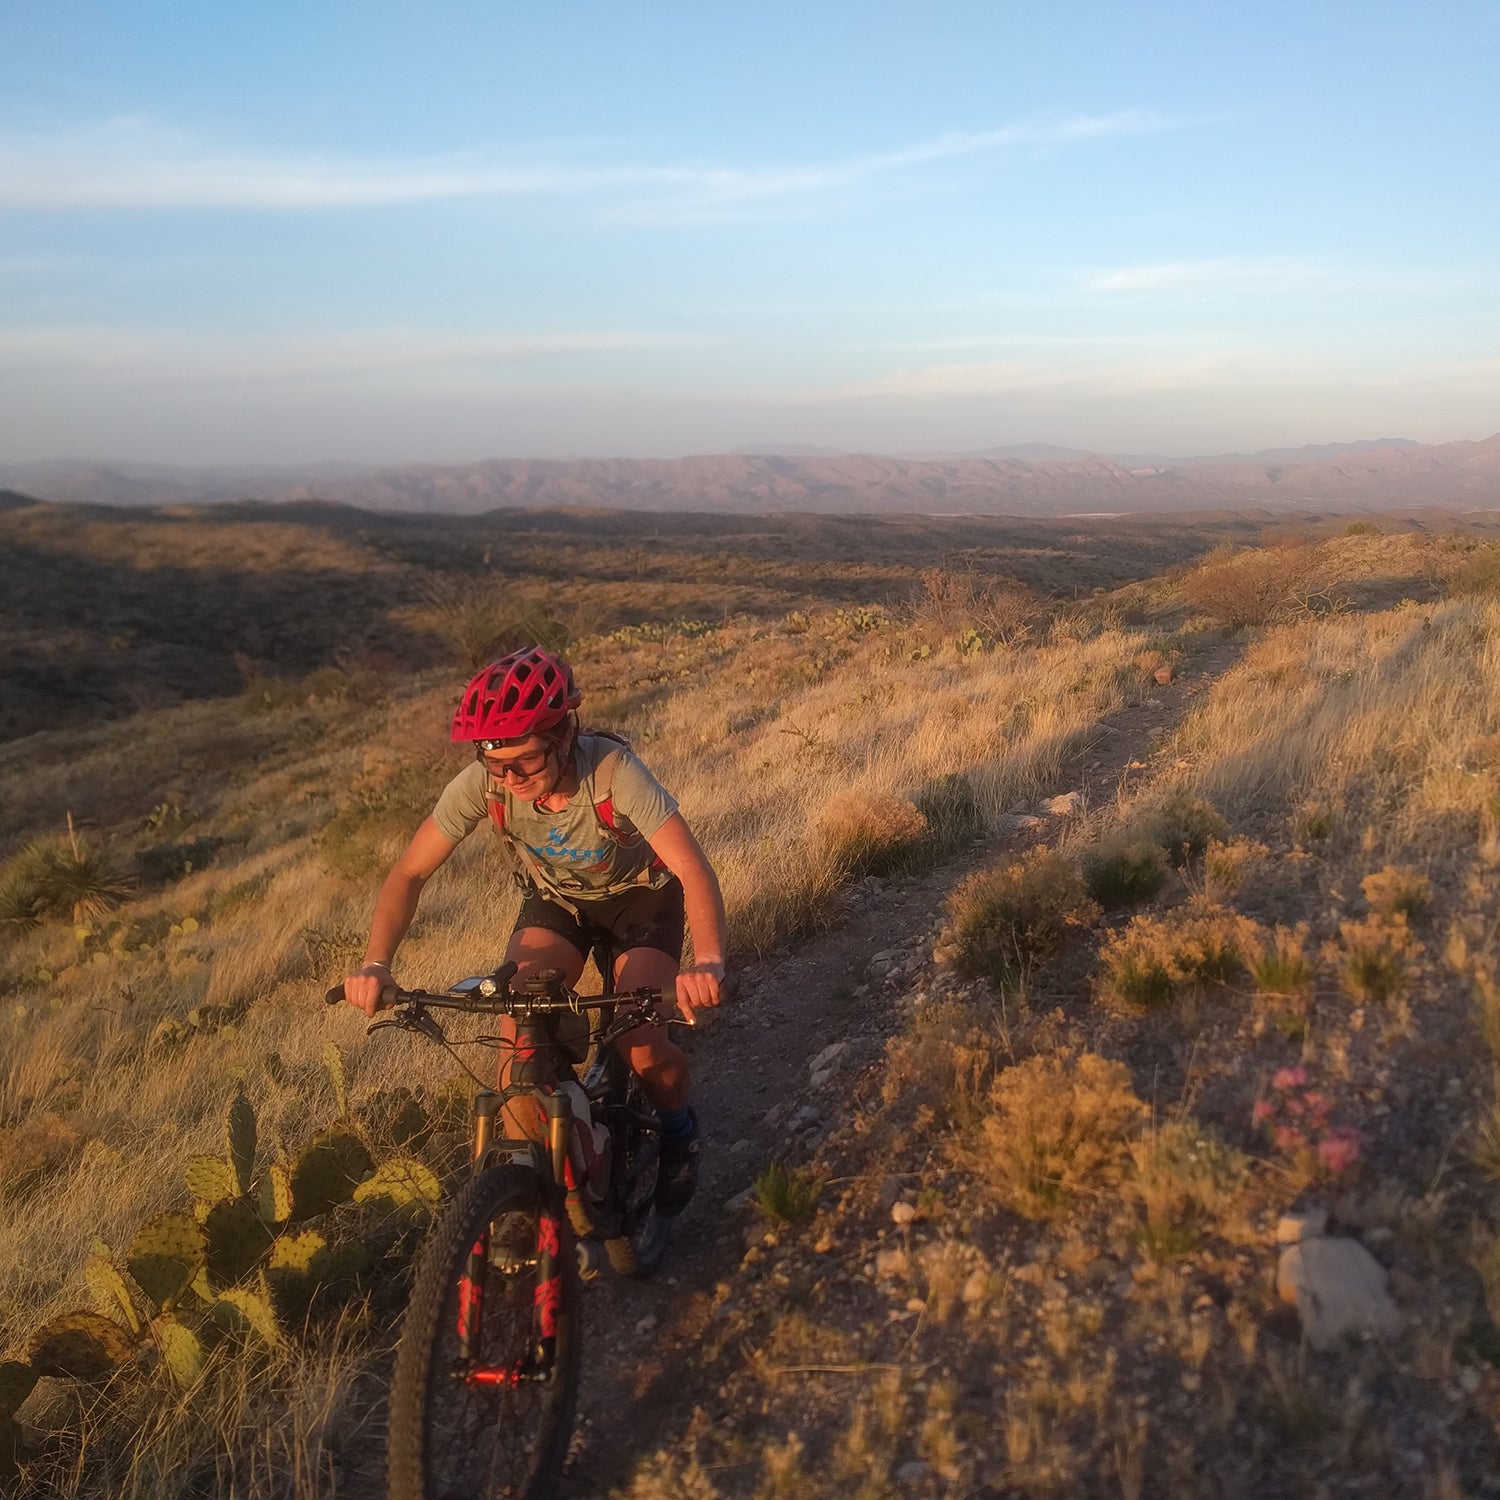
[{"x": 449, "y": 1440}]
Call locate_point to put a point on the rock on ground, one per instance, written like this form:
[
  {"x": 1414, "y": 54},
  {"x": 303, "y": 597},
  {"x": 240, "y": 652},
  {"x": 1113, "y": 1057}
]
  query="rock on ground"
[{"x": 1339, "y": 1290}]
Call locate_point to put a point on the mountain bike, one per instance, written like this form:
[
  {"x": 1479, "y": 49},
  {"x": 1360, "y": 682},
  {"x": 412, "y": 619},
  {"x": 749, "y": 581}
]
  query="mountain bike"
[{"x": 486, "y": 1377}]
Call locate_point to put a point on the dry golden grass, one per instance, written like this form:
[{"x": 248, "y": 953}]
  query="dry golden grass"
[{"x": 1056, "y": 1127}]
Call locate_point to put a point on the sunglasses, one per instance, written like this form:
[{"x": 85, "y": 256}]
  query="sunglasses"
[{"x": 523, "y": 768}]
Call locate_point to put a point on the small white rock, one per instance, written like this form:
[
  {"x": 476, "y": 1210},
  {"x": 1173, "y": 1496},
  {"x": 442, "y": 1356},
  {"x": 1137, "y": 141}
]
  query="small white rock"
[
  {"x": 1339, "y": 1290},
  {"x": 1068, "y": 805},
  {"x": 902, "y": 1213},
  {"x": 646, "y": 1324}
]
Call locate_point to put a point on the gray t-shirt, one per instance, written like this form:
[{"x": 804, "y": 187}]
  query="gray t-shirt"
[{"x": 594, "y": 847}]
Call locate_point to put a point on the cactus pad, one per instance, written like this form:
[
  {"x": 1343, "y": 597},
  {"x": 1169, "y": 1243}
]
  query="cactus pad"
[
  {"x": 168, "y": 1252},
  {"x": 240, "y": 1140},
  {"x": 111, "y": 1294},
  {"x": 334, "y": 1060},
  {"x": 182, "y": 1351},
  {"x": 296, "y": 1271},
  {"x": 326, "y": 1173},
  {"x": 298, "y": 1252},
  {"x": 16, "y": 1381},
  {"x": 210, "y": 1179},
  {"x": 244, "y": 1308},
  {"x": 236, "y": 1241},
  {"x": 80, "y": 1346},
  {"x": 402, "y": 1183},
  {"x": 275, "y": 1194}
]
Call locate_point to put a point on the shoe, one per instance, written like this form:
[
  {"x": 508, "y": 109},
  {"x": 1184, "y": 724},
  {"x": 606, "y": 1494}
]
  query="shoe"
[{"x": 677, "y": 1172}]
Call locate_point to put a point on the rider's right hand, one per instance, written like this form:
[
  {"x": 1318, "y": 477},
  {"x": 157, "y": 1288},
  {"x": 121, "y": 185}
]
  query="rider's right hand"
[{"x": 362, "y": 988}]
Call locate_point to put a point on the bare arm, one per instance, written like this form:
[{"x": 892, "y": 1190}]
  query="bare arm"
[
  {"x": 704, "y": 904},
  {"x": 395, "y": 907}
]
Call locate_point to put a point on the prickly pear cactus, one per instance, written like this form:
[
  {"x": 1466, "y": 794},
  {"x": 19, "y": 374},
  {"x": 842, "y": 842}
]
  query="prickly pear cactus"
[
  {"x": 295, "y": 1271},
  {"x": 327, "y": 1172},
  {"x": 110, "y": 1290},
  {"x": 168, "y": 1253},
  {"x": 334, "y": 1060},
  {"x": 242, "y": 1308},
  {"x": 80, "y": 1346},
  {"x": 182, "y": 1351},
  {"x": 402, "y": 1182},
  {"x": 210, "y": 1179},
  {"x": 240, "y": 1141},
  {"x": 275, "y": 1194},
  {"x": 16, "y": 1381},
  {"x": 237, "y": 1240}
]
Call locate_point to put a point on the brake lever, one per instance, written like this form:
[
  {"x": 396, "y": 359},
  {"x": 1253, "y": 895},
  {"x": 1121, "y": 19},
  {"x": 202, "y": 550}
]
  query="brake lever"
[{"x": 412, "y": 1020}]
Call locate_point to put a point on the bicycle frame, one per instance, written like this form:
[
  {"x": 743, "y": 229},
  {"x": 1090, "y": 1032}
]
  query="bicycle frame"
[{"x": 548, "y": 1156}]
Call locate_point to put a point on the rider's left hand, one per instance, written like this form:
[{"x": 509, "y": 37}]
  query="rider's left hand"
[{"x": 698, "y": 988}]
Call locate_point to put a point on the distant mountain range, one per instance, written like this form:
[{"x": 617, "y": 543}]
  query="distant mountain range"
[{"x": 1029, "y": 480}]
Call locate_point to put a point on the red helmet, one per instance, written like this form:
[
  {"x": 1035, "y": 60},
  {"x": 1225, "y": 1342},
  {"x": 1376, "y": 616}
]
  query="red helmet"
[{"x": 527, "y": 692}]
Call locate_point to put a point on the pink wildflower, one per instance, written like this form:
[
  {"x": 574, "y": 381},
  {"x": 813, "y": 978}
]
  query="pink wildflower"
[
  {"x": 1293, "y": 1105},
  {"x": 1289, "y": 1138},
  {"x": 1339, "y": 1149},
  {"x": 1316, "y": 1102},
  {"x": 1289, "y": 1078},
  {"x": 1263, "y": 1111}
]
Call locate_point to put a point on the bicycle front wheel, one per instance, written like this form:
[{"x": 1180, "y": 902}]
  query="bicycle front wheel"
[{"x": 486, "y": 1375}]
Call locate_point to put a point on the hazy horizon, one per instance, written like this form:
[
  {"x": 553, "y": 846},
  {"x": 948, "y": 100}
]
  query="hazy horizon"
[{"x": 291, "y": 236}]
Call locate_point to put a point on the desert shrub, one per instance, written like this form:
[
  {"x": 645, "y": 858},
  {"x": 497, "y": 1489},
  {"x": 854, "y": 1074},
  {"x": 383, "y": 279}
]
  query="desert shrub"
[
  {"x": 1007, "y": 919},
  {"x": 787, "y": 1194},
  {"x": 374, "y": 814},
  {"x": 954, "y": 816},
  {"x": 34, "y": 1148},
  {"x": 1186, "y": 1177},
  {"x": 163, "y": 863},
  {"x": 1257, "y": 587},
  {"x": 1313, "y": 822},
  {"x": 1397, "y": 891},
  {"x": 1361, "y": 528},
  {"x": 1478, "y": 572},
  {"x": 1227, "y": 864},
  {"x": 942, "y": 1065},
  {"x": 1156, "y": 958},
  {"x": 1057, "y": 1126},
  {"x": 60, "y": 878},
  {"x": 480, "y": 622},
  {"x": 1183, "y": 826},
  {"x": 967, "y": 605},
  {"x": 1125, "y": 872},
  {"x": 867, "y": 832},
  {"x": 1281, "y": 968},
  {"x": 1373, "y": 956}
]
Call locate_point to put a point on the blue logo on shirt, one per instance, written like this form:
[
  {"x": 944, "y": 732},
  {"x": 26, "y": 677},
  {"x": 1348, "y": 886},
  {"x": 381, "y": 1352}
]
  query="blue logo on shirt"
[{"x": 556, "y": 849}]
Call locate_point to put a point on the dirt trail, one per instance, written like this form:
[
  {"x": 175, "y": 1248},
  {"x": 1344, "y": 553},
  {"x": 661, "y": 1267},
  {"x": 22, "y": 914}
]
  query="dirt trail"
[{"x": 641, "y": 1385}]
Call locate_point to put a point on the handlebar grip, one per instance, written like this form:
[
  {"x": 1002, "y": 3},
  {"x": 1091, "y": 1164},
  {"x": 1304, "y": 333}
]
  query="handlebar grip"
[{"x": 389, "y": 995}]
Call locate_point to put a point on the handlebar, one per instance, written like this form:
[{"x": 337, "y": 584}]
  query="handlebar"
[{"x": 493, "y": 995}]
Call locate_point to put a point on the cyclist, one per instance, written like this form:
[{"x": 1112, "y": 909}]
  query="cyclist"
[{"x": 605, "y": 853}]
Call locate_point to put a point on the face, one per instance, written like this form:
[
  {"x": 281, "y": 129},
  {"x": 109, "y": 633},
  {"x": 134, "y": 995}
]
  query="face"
[{"x": 526, "y": 769}]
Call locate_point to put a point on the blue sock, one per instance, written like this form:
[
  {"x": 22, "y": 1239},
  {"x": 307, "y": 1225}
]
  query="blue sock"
[{"x": 677, "y": 1124}]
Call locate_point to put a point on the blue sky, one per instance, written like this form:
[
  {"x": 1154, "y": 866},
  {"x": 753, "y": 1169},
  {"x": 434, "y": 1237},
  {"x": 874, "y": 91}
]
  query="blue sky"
[{"x": 298, "y": 231}]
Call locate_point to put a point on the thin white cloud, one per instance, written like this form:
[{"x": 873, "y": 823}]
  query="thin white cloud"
[
  {"x": 352, "y": 359},
  {"x": 135, "y": 164},
  {"x": 1191, "y": 276}
]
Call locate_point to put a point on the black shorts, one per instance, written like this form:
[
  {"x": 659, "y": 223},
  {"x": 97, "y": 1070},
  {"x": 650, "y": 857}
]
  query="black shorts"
[{"x": 640, "y": 918}]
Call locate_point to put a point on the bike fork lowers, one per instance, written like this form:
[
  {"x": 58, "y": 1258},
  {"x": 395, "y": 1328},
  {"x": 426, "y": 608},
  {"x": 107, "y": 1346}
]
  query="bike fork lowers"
[{"x": 547, "y": 1297}]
